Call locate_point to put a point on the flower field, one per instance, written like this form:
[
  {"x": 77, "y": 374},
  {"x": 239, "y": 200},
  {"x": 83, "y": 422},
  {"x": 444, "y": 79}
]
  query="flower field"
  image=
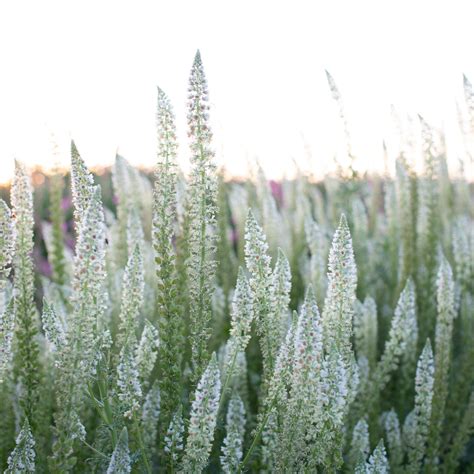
[{"x": 170, "y": 323}]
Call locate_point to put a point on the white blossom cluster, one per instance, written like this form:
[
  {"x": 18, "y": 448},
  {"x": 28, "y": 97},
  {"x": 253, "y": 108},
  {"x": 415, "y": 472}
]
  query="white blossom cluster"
[
  {"x": 203, "y": 418},
  {"x": 22, "y": 459}
]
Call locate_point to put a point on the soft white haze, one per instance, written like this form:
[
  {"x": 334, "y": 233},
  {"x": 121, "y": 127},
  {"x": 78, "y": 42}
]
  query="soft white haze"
[{"x": 89, "y": 71}]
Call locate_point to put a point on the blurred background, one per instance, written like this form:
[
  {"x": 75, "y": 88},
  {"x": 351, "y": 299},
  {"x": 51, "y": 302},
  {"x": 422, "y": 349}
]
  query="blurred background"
[{"x": 89, "y": 70}]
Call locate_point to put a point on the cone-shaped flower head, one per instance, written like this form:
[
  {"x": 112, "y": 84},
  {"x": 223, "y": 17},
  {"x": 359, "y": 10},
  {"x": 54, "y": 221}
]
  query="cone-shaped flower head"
[
  {"x": 129, "y": 388},
  {"x": 394, "y": 438},
  {"x": 174, "y": 437},
  {"x": 22, "y": 459},
  {"x": 82, "y": 184},
  {"x": 422, "y": 413},
  {"x": 53, "y": 327},
  {"x": 232, "y": 446},
  {"x": 203, "y": 419},
  {"x": 261, "y": 284},
  {"x": 378, "y": 462},
  {"x": 360, "y": 444},
  {"x": 241, "y": 313},
  {"x": 120, "y": 462},
  {"x": 340, "y": 297},
  {"x": 146, "y": 351},
  {"x": 202, "y": 199}
]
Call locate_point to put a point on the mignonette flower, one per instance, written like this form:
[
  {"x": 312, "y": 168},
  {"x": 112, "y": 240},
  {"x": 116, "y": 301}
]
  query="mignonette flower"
[
  {"x": 85, "y": 331},
  {"x": 365, "y": 330},
  {"x": 277, "y": 387},
  {"x": 263, "y": 292},
  {"x": 165, "y": 215},
  {"x": 88, "y": 281},
  {"x": 82, "y": 184},
  {"x": 132, "y": 293},
  {"x": 303, "y": 405},
  {"x": 146, "y": 350},
  {"x": 397, "y": 337},
  {"x": 129, "y": 388},
  {"x": 282, "y": 288},
  {"x": 27, "y": 324},
  {"x": 394, "y": 438},
  {"x": 424, "y": 381},
  {"x": 174, "y": 437},
  {"x": 277, "y": 397},
  {"x": 53, "y": 327},
  {"x": 377, "y": 463},
  {"x": 22, "y": 459},
  {"x": 203, "y": 418},
  {"x": 340, "y": 297},
  {"x": 333, "y": 399},
  {"x": 360, "y": 444},
  {"x": 120, "y": 462},
  {"x": 201, "y": 264},
  {"x": 242, "y": 313},
  {"x": 442, "y": 360},
  {"x": 232, "y": 446}
]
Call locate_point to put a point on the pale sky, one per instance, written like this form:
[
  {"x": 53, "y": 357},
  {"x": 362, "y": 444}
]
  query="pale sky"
[{"x": 88, "y": 70}]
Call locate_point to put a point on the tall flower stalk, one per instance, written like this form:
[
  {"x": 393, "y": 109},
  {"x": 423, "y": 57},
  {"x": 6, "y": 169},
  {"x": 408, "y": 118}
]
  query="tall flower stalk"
[
  {"x": 27, "y": 324},
  {"x": 263, "y": 292},
  {"x": 422, "y": 412},
  {"x": 340, "y": 297},
  {"x": 170, "y": 314},
  {"x": 442, "y": 360},
  {"x": 7, "y": 314},
  {"x": 78, "y": 358},
  {"x": 202, "y": 211},
  {"x": 203, "y": 419}
]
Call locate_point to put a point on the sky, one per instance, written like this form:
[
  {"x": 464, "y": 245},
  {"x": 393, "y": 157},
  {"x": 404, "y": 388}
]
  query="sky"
[{"x": 88, "y": 70}]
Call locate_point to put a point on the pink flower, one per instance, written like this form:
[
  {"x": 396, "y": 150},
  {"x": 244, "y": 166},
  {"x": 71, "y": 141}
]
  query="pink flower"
[
  {"x": 277, "y": 191},
  {"x": 66, "y": 203}
]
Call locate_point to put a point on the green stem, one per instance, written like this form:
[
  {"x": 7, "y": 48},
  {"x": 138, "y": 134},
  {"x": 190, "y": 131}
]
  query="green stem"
[
  {"x": 256, "y": 438},
  {"x": 108, "y": 416},
  {"x": 141, "y": 446},
  {"x": 227, "y": 380},
  {"x": 95, "y": 450}
]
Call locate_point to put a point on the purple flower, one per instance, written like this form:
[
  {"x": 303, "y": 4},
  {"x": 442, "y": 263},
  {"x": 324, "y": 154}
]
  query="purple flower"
[
  {"x": 66, "y": 203},
  {"x": 44, "y": 268},
  {"x": 277, "y": 191},
  {"x": 70, "y": 242}
]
